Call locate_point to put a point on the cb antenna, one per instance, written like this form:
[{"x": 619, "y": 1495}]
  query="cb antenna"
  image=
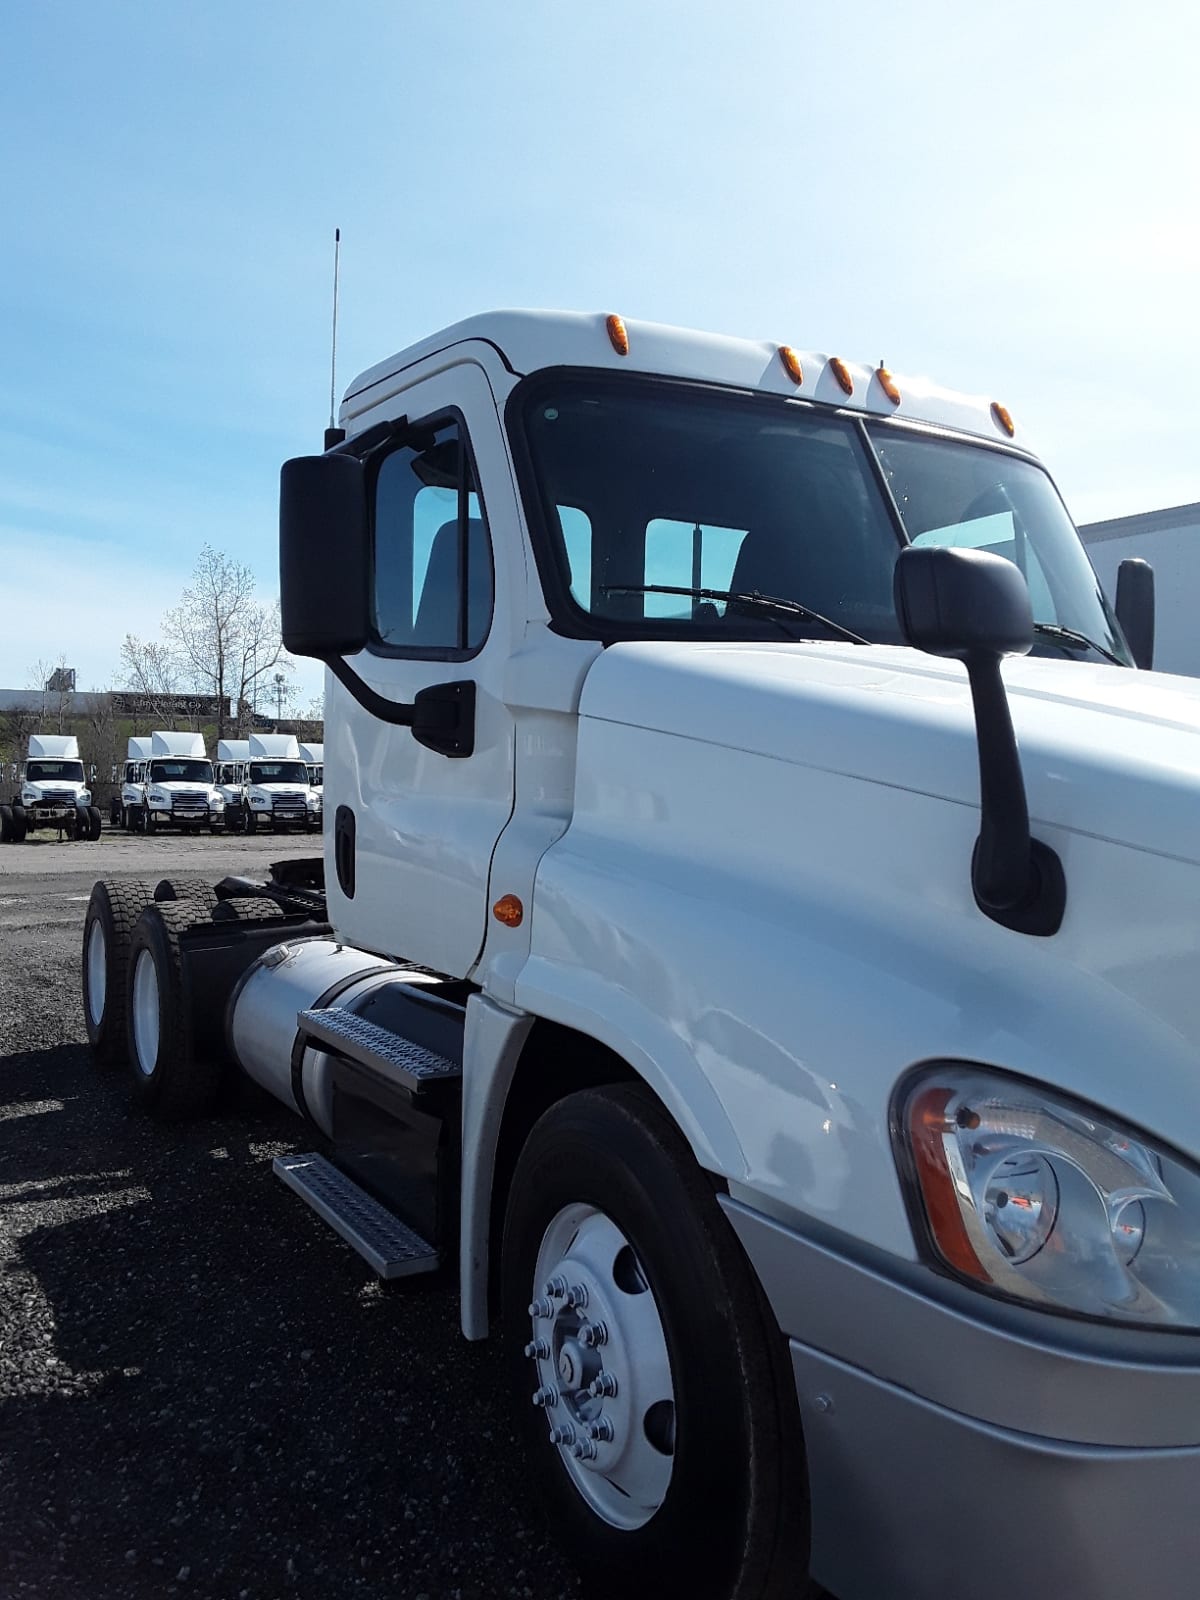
[{"x": 334, "y": 434}]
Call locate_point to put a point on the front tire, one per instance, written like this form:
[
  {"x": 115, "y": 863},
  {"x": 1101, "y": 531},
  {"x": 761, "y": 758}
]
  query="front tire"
[
  {"x": 251, "y": 821},
  {"x": 113, "y": 909},
  {"x": 169, "y": 1076},
  {"x": 95, "y": 824},
  {"x": 698, "y": 1424}
]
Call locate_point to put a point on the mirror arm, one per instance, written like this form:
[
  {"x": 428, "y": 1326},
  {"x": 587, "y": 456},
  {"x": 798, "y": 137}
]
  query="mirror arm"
[
  {"x": 1018, "y": 881},
  {"x": 442, "y": 716}
]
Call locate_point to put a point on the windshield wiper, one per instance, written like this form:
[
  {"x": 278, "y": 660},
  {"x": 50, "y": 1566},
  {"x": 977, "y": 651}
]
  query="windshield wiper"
[
  {"x": 755, "y": 600},
  {"x": 1055, "y": 630}
]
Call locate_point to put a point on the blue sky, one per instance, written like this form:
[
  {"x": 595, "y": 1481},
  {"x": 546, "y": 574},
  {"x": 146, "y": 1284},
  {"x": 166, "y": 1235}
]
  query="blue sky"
[{"x": 1004, "y": 197}]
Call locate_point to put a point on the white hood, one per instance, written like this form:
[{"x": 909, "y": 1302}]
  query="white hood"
[{"x": 1106, "y": 750}]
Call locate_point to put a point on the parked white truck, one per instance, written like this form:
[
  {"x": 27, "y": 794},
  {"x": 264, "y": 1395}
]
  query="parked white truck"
[
  {"x": 276, "y": 791},
  {"x": 756, "y": 953},
  {"x": 132, "y": 780},
  {"x": 177, "y": 788},
  {"x": 52, "y": 792},
  {"x": 232, "y": 755}
]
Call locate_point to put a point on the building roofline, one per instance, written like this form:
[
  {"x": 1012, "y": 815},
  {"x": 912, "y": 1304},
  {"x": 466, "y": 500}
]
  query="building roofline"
[{"x": 1141, "y": 522}]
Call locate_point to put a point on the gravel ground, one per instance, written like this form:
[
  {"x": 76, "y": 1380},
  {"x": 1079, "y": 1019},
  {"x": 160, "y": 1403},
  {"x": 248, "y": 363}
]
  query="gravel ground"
[{"x": 203, "y": 1392}]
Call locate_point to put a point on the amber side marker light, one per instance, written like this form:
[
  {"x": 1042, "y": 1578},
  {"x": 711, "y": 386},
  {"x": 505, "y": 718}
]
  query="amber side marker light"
[
  {"x": 842, "y": 373},
  {"x": 618, "y": 334},
  {"x": 791, "y": 363},
  {"x": 509, "y": 910},
  {"x": 1003, "y": 418},
  {"x": 888, "y": 384},
  {"x": 927, "y": 1127}
]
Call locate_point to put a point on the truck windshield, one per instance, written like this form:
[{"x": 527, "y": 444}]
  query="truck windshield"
[
  {"x": 278, "y": 772},
  {"x": 181, "y": 769},
  {"x": 316, "y": 776},
  {"x": 644, "y": 483},
  {"x": 65, "y": 771}
]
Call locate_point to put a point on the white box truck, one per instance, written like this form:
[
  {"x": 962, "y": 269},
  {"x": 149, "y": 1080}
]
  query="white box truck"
[
  {"x": 313, "y": 757},
  {"x": 755, "y": 955},
  {"x": 177, "y": 790},
  {"x": 52, "y": 793},
  {"x": 276, "y": 791},
  {"x": 132, "y": 792}
]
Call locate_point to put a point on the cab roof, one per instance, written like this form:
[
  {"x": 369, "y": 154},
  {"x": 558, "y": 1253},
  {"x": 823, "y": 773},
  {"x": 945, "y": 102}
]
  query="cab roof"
[{"x": 528, "y": 341}]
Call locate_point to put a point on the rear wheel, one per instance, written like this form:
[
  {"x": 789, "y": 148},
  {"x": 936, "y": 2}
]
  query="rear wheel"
[
  {"x": 169, "y": 1076},
  {"x": 247, "y": 908},
  {"x": 664, "y": 1428},
  {"x": 113, "y": 909},
  {"x": 200, "y": 897}
]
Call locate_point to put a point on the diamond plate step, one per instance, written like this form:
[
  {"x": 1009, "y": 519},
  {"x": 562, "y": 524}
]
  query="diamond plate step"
[
  {"x": 353, "y": 1037},
  {"x": 392, "y": 1248}
]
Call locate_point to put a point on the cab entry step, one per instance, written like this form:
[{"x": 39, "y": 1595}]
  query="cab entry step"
[
  {"x": 392, "y": 1248},
  {"x": 356, "y": 1039}
]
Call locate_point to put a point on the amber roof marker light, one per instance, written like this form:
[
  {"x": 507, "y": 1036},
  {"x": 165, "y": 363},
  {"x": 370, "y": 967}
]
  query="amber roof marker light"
[
  {"x": 509, "y": 910},
  {"x": 888, "y": 384},
  {"x": 618, "y": 334},
  {"x": 1003, "y": 418},
  {"x": 791, "y": 364},
  {"x": 842, "y": 373}
]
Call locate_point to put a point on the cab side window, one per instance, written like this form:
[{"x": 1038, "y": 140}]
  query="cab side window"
[{"x": 433, "y": 586}]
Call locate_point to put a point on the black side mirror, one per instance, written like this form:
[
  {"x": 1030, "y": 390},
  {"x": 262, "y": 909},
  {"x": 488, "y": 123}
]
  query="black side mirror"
[
  {"x": 1135, "y": 609},
  {"x": 973, "y": 607},
  {"x": 324, "y": 556}
]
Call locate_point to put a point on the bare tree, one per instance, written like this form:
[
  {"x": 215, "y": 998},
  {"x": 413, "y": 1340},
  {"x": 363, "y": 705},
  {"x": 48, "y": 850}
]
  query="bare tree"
[
  {"x": 226, "y": 640},
  {"x": 55, "y": 681},
  {"x": 150, "y": 670}
]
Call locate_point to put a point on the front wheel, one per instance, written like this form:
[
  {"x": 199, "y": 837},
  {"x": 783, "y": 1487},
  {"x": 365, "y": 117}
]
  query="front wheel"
[
  {"x": 251, "y": 822},
  {"x": 663, "y": 1426},
  {"x": 95, "y": 824}
]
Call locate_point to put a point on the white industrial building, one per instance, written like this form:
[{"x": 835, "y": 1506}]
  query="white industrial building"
[{"x": 1170, "y": 541}]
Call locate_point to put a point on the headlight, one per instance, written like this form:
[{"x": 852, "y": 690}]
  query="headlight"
[
  {"x": 258, "y": 800},
  {"x": 217, "y": 802},
  {"x": 1036, "y": 1197},
  {"x": 157, "y": 799},
  {"x": 85, "y": 797}
]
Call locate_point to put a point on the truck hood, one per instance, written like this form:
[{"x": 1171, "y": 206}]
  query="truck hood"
[
  {"x": 1106, "y": 750},
  {"x": 182, "y": 786},
  {"x": 54, "y": 786}
]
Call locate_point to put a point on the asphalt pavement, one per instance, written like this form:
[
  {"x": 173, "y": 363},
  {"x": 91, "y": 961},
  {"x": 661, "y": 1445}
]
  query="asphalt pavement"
[{"x": 203, "y": 1392}]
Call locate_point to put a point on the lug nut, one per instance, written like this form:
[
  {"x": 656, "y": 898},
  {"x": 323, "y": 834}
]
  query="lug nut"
[
  {"x": 603, "y": 1387},
  {"x": 541, "y": 1308},
  {"x": 539, "y": 1349},
  {"x": 593, "y": 1335},
  {"x": 547, "y": 1395},
  {"x": 583, "y": 1450},
  {"x": 556, "y": 1288},
  {"x": 577, "y": 1296},
  {"x": 563, "y": 1434},
  {"x": 602, "y": 1430}
]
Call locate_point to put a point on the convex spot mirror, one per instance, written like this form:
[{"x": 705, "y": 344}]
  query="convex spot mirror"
[
  {"x": 962, "y": 603},
  {"x": 324, "y": 556}
]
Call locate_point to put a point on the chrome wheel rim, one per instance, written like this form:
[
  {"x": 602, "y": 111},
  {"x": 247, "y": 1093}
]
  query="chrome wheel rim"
[
  {"x": 97, "y": 973},
  {"x": 145, "y": 1013},
  {"x": 603, "y": 1372}
]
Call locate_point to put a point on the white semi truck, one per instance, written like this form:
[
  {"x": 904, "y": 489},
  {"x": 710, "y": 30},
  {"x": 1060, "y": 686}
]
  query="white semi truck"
[
  {"x": 755, "y": 953},
  {"x": 176, "y": 788},
  {"x": 132, "y": 780},
  {"x": 232, "y": 755},
  {"x": 52, "y": 793},
  {"x": 276, "y": 791}
]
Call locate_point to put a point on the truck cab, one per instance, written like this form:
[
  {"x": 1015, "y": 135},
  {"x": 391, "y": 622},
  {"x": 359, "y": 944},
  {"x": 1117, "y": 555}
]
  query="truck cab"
[
  {"x": 131, "y": 797},
  {"x": 229, "y": 773},
  {"x": 52, "y": 793},
  {"x": 313, "y": 756},
  {"x": 755, "y": 952},
  {"x": 276, "y": 791},
  {"x": 177, "y": 789}
]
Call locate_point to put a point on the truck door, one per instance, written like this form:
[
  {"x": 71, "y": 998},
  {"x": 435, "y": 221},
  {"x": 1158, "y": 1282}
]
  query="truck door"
[{"x": 413, "y": 830}]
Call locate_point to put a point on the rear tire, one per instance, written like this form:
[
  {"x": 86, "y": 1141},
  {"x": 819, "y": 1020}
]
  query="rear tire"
[
  {"x": 705, "y": 1434},
  {"x": 108, "y": 925},
  {"x": 169, "y": 1078},
  {"x": 198, "y": 896},
  {"x": 247, "y": 908}
]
